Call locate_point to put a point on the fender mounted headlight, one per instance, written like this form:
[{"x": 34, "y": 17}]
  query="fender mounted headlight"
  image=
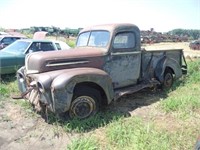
[{"x": 40, "y": 87}]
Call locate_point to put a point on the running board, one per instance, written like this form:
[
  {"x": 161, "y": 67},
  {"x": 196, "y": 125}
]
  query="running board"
[{"x": 129, "y": 90}]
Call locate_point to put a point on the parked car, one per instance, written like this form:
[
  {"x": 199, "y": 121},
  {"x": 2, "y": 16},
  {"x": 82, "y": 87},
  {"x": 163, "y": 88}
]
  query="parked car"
[
  {"x": 6, "y": 40},
  {"x": 13, "y": 56},
  {"x": 195, "y": 45}
]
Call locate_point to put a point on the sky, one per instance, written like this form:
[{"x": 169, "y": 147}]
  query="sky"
[{"x": 162, "y": 15}]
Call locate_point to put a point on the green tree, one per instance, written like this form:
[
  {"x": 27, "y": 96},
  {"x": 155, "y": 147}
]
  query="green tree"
[{"x": 192, "y": 34}]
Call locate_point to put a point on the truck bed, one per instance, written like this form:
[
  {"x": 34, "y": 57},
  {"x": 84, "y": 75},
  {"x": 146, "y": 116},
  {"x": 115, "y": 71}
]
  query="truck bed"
[{"x": 151, "y": 58}]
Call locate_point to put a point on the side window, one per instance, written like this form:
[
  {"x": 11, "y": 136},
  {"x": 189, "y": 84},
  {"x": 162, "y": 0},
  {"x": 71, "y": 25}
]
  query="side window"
[
  {"x": 7, "y": 40},
  {"x": 41, "y": 46},
  {"x": 35, "y": 47},
  {"x": 124, "y": 40},
  {"x": 58, "y": 46},
  {"x": 16, "y": 38},
  {"x": 47, "y": 46}
]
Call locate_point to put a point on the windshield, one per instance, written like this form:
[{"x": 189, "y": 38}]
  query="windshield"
[
  {"x": 93, "y": 38},
  {"x": 17, "y": 47}
]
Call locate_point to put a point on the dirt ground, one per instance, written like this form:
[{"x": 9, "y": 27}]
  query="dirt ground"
[{"x": 21, "y": 131}]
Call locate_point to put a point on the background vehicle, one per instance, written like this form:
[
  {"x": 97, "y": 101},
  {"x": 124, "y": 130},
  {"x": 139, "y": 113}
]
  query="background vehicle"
[
  {"x": 13, "y": 56},
  {"x": 6, "y": 40},
  {"x": 106, "y": 64},
  {"x": 195, "y": 45}
]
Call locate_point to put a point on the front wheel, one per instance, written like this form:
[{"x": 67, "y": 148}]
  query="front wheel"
[{"x": 85, "y": 102}]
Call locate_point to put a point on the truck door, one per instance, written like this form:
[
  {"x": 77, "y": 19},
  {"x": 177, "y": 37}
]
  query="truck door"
[{"x": 125, "y": 59}]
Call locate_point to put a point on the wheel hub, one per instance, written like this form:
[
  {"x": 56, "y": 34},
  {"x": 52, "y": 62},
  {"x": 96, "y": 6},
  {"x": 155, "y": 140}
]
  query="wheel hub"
[
  {"x": 82, "y": 107},
  {"x": 168, "y": 80}
]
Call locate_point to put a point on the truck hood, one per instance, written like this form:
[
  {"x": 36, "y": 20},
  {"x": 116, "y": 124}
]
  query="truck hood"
[{"x": 56, "y": 60}]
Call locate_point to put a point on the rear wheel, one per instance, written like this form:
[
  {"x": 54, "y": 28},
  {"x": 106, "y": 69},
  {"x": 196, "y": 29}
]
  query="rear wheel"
[
  {"x": 85, "y": 102},
  {"x": 168, "y": 79}
]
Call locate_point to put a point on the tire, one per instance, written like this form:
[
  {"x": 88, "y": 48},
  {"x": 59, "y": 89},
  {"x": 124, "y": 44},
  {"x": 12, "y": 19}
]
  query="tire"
[
  {"x": 168, "y": 79},
  {"x": 85, "y": 103}
]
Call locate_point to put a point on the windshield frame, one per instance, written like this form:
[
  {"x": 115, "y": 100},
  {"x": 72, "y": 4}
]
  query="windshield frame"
[{"x": 93, "y": 39}]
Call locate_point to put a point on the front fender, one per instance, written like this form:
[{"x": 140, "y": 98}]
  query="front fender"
[
  {"x": 163, "y": 64},
  {"x": 62, "y": 87}
]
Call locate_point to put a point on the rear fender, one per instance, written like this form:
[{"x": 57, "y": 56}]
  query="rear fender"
[
  {"x": 62, "y": 87},
  {"x": 167, "y": 63}
]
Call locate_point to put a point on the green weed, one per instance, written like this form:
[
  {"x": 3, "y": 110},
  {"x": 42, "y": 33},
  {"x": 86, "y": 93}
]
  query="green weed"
[
  {"x": 71, "y": 43},
  {"x": 8, "y": 85},
  {"x": 182, "y": 99},
  {"x": 133, "y": 133},
  {"x": 186, "y": 97},
  {"x": 86, "y": 143},
  {"x": 193, "y": 72},
  {"x": 26, "y": 106},
  {"x": 91, "y": 123}
]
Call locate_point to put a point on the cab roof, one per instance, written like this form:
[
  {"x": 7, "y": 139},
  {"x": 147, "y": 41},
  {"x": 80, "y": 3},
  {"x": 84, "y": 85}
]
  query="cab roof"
[{"x": 109, "y": 27}]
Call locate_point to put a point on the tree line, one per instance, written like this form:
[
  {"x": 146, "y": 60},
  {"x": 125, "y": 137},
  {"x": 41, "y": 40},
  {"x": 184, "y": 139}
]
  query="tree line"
[
  {"x": 191, "y": 34},
  {"x": 54, "y": 31}
]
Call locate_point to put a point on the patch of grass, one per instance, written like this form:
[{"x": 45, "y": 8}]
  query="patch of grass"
[
  {"x": 86, "y": 143},
  {"x": 71, "y": 43},
  {"x": 133, "y": 133},
  {"x": 81, "y": 126},
  {"x": 23, "y": 103},
  {"x": 183, "y": 139},
  {"x": 26, "y": 106},
  {"x": 182, "y": 99},
  {"x": 185, "y": 98},
  {"x": 8, "y": 85},
  {"x": 193, "y": 72}
]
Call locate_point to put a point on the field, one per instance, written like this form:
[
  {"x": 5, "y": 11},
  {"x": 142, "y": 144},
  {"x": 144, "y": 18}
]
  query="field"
[{"x": 150, "y": 120}]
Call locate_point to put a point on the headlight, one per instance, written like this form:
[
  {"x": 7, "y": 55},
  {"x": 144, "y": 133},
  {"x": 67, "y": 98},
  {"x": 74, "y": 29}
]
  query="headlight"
[
  {"x": 20, "y": 77},
  {"x": 40, "y": 87}
]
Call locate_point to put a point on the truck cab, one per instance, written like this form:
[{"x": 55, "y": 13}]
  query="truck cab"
[{"x": 122, "y": 50}]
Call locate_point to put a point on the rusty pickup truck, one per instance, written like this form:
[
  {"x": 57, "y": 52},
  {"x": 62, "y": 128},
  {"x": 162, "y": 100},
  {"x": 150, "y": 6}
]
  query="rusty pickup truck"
[{"x": 106, "y": 63}]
